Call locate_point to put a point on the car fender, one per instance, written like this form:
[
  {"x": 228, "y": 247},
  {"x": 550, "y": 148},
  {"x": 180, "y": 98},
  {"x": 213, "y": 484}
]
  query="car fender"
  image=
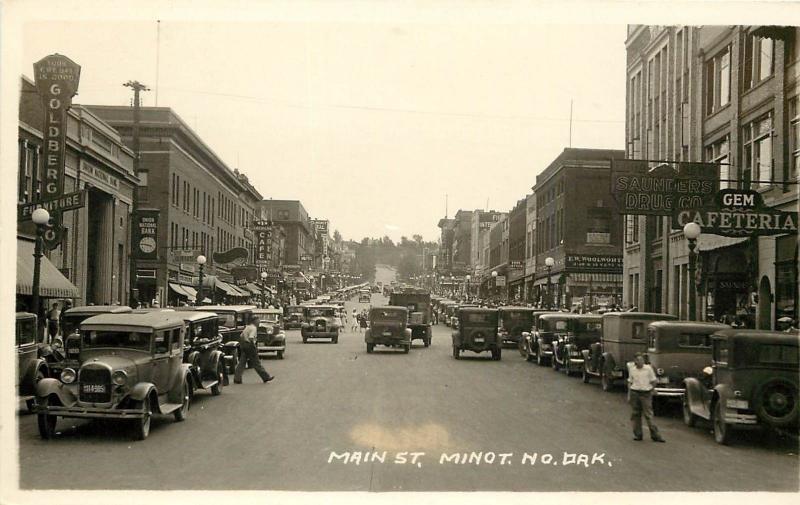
[
  {"x": 723, "y": 392},
  {"x": 141, "y": 391},
  {"x": 183, "y": 374},
  {"x": 456, "y": 336},
  {"x": 407, "y": 332},
  {"x": 27, "y": 383},
  {"x": 696, "y": 396},
  {"x": 368, "y": 336},
  {"x": 193, "y": 358},
  {"x": 231, "y": 347},
  {"x": 47, "y": 387}
]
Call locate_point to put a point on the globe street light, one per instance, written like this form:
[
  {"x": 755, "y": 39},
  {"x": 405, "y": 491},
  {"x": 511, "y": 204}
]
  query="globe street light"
[
  {"x": 40, "y": 218},
  {"x": 548, "y": 263},
  {"x": 468, "y": 277},
  {"x": 201, "y": 260},
  {"x": 263, "y": 289},
  {"x": 691, "y": 231}
]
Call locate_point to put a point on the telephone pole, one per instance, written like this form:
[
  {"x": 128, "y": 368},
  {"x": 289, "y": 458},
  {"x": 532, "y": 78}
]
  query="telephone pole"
[{"x": 137, "y": 88}]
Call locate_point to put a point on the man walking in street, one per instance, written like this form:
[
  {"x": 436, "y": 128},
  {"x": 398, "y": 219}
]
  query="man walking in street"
[
  {"x": 53, "y": 321},
  {"x": 247, "y": 344},
  {"x": 641, "y": 381}
]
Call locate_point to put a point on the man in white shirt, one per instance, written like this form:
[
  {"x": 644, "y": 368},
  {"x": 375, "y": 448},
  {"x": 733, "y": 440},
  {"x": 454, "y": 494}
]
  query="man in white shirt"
[
  {"x": 247, "y": 344},
  {"x": 641, "y": 381}
]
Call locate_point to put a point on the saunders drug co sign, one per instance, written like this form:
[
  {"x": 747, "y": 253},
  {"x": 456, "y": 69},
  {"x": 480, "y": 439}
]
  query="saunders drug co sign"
[
  {"x": 663, "y": 189},
  {"x": 738, "y": 213}
]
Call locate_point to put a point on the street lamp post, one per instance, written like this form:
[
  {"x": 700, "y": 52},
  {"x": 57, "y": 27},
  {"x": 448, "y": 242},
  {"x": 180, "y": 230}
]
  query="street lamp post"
[
  {"x": 494, "y": 282},
  {"x": 40, "y": 218},
  {"x": 548, "y": 263},
  {"x": 201, "y": 261},
  {"x": 263, "y": 290},
  {"x": 466, "y": 284},
  {"x": 691, "y": 231}
]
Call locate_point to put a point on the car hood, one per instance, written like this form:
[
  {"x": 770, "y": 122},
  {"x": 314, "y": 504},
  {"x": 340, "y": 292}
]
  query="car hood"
[{"x": 127, "y": 361}]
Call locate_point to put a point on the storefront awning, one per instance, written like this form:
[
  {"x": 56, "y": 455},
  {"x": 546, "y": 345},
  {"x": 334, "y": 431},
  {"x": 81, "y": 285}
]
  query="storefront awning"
[
  {"x": 177, "y": 288},
  {"x": 597, "y": 279},
  {"x": 543, "y": 281},
  {"x": 708, "y": 242},
  {"x": 191, "y": 292},
  {"x": 227, "y": 288},
  {"x": 52, "y": 283}
]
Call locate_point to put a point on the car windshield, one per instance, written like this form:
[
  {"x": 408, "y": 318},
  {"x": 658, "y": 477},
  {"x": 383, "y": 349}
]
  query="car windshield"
[
  {"x": 71, "y": 323},
  {"x": 127, "y": 339},
  {"x": 227, "y": 320},
  {"x": 26, "y": 331},
  {"x": 515, "y": 315},
  {"x": 204, "y": 329},
  {"x": 478, "y": 318},
  {"x": 554, "y": 325},
  {"x": 321, "y": 313},
  {"x": 267, "y": 317},
  {"x": 387, "y": 315}
]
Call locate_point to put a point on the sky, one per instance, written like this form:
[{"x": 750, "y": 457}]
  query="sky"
[{"x": 373, "y": 123}]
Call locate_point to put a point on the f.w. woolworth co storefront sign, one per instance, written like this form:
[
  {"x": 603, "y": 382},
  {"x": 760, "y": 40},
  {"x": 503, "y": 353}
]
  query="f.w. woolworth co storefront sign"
[{"x": 738, "y": 213}]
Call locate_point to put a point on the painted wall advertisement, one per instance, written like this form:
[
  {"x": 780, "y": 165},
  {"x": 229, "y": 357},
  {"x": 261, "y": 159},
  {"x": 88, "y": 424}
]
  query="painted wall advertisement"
[{"x": 145, "y": 230}]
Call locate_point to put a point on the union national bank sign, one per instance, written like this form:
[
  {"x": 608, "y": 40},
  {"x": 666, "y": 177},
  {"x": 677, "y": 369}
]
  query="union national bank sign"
[{"x": 738, "y": 213}]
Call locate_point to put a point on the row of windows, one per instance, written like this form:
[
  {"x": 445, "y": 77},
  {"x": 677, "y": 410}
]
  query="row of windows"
[
  {"x": 550, "y": 232},
  {"x": 551, "y": 194}
]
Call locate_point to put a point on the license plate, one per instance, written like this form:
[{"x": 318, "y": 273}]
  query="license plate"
[
  {"x": 387, "y": 333},
  {"x": 94, "y": 388},
  {"x": 478, "y": 340}
]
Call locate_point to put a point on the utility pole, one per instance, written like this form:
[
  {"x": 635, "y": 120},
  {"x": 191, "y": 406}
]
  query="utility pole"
[{"x": 137, "y": 88}]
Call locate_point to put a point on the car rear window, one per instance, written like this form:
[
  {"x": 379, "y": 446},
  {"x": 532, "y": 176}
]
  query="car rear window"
[
  {"x": 479, "y": 318},
  {"x": 694, "y": 340},
  {"x": 557, "y": 325},
  {"x": 321, "y": 313},
  {"x": 778, "y": 354},
  {"x": 394, "y": 315}
]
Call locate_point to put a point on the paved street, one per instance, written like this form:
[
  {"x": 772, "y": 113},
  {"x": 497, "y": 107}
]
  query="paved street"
[{"x": 337, "y": 399}]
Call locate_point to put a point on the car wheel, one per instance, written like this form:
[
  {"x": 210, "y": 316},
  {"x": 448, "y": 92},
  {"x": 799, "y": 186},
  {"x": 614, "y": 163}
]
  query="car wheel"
[
  {"x": 141, "y": 427},
  {"x": 216, "y": 389},
  {"x": 689, "y": 419},
  {"x": 47, "y": 426},
  {"x": 722, "y": 430},
  {"x": 456, "y": 353},
  {"x": 182, "y": 413},
  {"x": 370, "y": 348},
  {"x": 605, "y": 381},
  {"x": 280, "y": 354}
]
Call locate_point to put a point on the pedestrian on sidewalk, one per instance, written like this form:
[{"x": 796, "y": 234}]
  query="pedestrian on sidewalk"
[
  {"x": 641, "y": 381},
  {"x": 247, "y": 345},
  {"x": 354, "y": 324}
]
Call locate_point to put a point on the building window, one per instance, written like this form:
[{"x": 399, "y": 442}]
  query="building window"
[
  {"x": 794, "y": 138},
  {"x": 758, "y": 60},
  {"x": 631, "y": 229},
  {"x": 757, "y": 152},
  {"x": 718, "y": 81},
  {"x": 718, "y": 152}
]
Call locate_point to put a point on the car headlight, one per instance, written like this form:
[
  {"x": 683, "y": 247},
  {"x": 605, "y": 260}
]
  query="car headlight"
[
  {"x": 68, "y": 376},
  {"x": 659, "y": 371},
  {"x": 119, "y": 378}
]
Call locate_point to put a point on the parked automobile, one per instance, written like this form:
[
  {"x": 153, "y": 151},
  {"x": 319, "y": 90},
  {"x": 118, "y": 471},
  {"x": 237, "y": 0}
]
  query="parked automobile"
[
  {"x": 527, "y": 342},
  {"x": 294, "y": 317},
  {"x": 320, "y": 321},
  {"x": 583, "y": 330},
  {"x": 418, "y": 303},
  {"x": 752, "y": 383},
  {"x": 387, "y": 327},
  {"x": 270, "y": 336},
  {"x": 513, "y": 322},
  {"x": 364, "y": 296},
  {"x": 30, "y": 367},
  {"x": 477, "y": 332},
  {"x": 71, "y": 320},
  {"x": 678, "y": 350},
  {"x": 131, "y": 367},
  {"x": 548, "y": 327},
  {"x": 624, "y": 334},
  {"x": 454, "y": 321},
  {"x": 202, "y": 349},
  {"x": 232, "y": 320}
]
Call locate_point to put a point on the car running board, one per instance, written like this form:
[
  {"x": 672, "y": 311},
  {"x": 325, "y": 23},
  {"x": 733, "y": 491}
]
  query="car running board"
[
  {"x": 169, "y": 408},
  {"x": 209, "y": 384}
]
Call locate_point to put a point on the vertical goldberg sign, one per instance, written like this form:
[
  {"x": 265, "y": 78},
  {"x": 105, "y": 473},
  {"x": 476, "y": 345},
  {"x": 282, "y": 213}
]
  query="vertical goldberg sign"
[{"x": 56, "y": 78}]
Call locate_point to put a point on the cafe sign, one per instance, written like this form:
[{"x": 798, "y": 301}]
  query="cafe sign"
[
  {"x": 667, "y": 187},
  {"x": 738, "y": 213}
]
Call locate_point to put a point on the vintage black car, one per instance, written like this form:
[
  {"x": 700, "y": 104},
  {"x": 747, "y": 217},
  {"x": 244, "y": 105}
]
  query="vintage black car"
[
  {"x": 202, "y": 348},
  {"x": 583, "y": 330},
  {"x": 232, "y": 320},
  {"x": 387, "y": 327},
  {"x": 30, "y": 367},
  {"x": 71, "y": 320},
  {"x": 293, "y": 318},
  {"x": 527, "y": 342},
  {"x": 270, "y": 336},
  {"x": 364, "y": 296},
  {"x": 624, "y": 334},
  {"x": 548, "y": 326},
  {"x": 678, "y": 350},
  {"x": 477, "y": 332},
  {"x": 131, "y": 368},
  {"x": 513, "y": 322},
  {"x": 752, "y": 383},
  {"x": 418, "y": 303},
  {"x": 320, "y": 321}
]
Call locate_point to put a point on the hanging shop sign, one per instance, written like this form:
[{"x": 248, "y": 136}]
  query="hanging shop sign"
[
  {"x": 500, "y": 281},
  {"x": 516, "y": 265},
  {"x": 321, "y": 226},
  {"x": 738, "y": 213},
  {"x": 247, "y": 273},
  {"x": 236, "y": 254},
  {"x": 70, "y": 201},
  {"x": 263, "y": 242},
  {"x": 145, "y": 234},
  {"x": 593, "y": 263},
  {"x": 657, "y": 191},
  {"x": 56, "y": 78}
]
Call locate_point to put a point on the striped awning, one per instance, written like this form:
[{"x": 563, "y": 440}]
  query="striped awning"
[
  {"x": 596, "y": 278},
  {"x": 227, "y": 288},
  {"x": 177, "y": 288},
  {"x": 190, "y": 291},
  {"x": 52, "y": 283}
]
